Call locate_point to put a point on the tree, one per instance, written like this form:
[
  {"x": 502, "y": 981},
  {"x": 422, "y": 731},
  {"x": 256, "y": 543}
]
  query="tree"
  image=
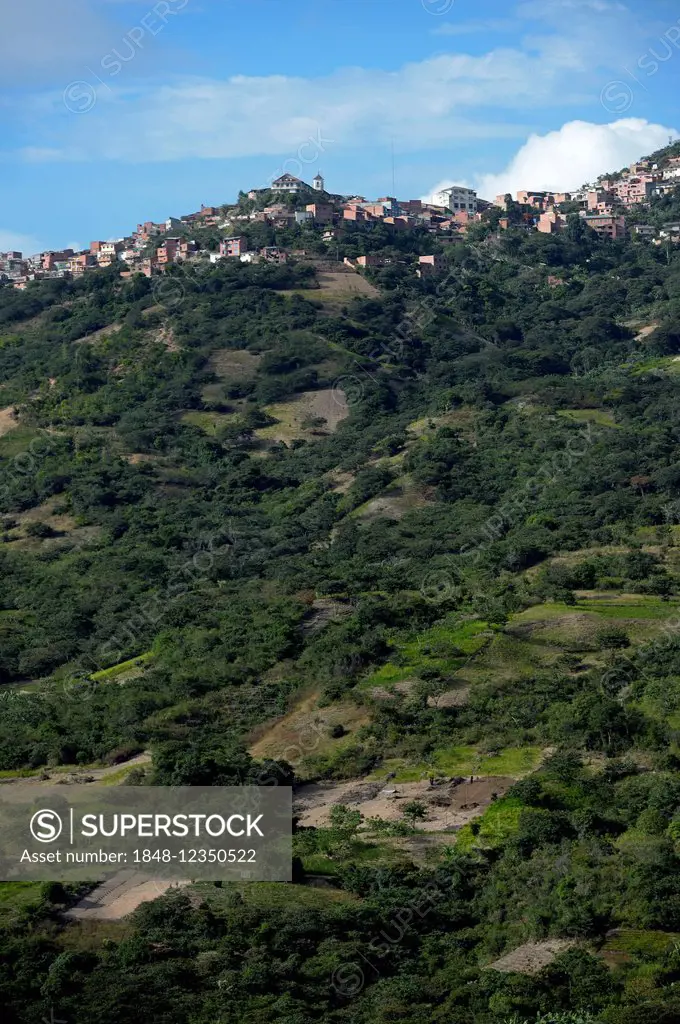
[{"x": 414, "y": 810}]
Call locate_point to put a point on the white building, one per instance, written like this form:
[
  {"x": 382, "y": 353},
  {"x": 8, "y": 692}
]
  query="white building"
[
  {"x": 457, "y": 198},
  {"x": 288, "y": 183},
  {"x": 318, "y": 183}
]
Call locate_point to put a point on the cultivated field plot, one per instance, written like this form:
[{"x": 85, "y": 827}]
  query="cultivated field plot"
[
  {"x": 532, "y": 957},
  {"x": 337, "y": 288},
  {"x": 311, "y": 415},
  {"x": 576, "y": 627},
  {"x": 306, "y": 731},
  {"x": 460, "y": 760}
]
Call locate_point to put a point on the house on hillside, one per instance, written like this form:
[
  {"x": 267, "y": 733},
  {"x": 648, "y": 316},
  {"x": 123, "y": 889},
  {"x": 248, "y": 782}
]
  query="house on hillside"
[
  {"x": 235, "y": 246},
  {"x": 607, "y": 226},
  {"x": 670, "y": 232},
  {"x": 428, "y": 265},
  {"x": 457, "y": 197},
  {"x": 289, "y": 184},
  {"x": 644, "y": 230}
]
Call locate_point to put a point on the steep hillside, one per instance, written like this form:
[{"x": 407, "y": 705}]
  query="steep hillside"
[{"x": 415, "y": 549}]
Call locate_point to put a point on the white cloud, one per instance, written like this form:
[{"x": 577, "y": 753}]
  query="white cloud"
[
  {"x": 435, "y": 101},
  {"x": 14, "y": 240},
  {"x": 578, "y": 152}
]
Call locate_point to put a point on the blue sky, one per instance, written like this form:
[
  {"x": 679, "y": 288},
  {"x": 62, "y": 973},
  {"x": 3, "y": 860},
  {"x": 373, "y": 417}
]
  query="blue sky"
[{"x": 115, "y": 111}]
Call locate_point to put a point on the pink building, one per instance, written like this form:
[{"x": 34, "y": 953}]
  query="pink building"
[
  {"x": 321, "y": 212},
  {"x": 82, "y": 262},
  {"x": 538, "y": 199},
  {"x": 607, "y": 226},
  {"x": 355, "y": 213},
  {"x": 233, "y": 246},
  {"x": 631, "y": 191},
  {"x": 167, "y": 252},
  {"x": 50, "y": 259},
  {"x": 551, "y": 222}
]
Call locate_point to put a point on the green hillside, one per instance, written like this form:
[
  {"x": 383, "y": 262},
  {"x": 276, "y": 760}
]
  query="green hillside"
[{"x": 440, "y": 522}]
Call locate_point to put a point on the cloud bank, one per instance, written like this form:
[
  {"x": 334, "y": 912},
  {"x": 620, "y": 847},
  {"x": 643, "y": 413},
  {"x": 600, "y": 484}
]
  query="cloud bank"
[{"x": 577, "y": 153}]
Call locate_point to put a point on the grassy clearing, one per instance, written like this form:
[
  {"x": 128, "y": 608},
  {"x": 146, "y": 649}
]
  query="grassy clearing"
[
  {"x": 298, "y": 418},
  {"x": 514, "y": 762},
  {"x": 446, "y": 647},
  {"x": 508, "y": 657},
  {"x": 234, "y": 365},
  {"x": 576, "y": 627},
  {"x": 663, "y": 364},
  {"x": 637, "y": 942},
  {"x": 17, "y": 440},
  {"x": 17, "y": 896},
  {"x": 116, "y": 778},
  {"x": 18, "y": 773},
  {"x": 401, "y": 497},
  {"x": 462, "y": 419},
  {"x": 124, "y": 668},
  {"x": 336, "y": 288},
  {"x": 370, "y": 853},
  {"x": 598, "y": 416},
  {"x": 85, "y": 936},
  {"x": 209, "y": 422},
  {"x": 499, "y": 822},
  {"x": 271, "y": 894}
]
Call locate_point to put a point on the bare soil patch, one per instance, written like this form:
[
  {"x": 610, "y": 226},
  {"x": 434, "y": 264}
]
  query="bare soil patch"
[
  {"x": 450, "y": 803},
  {"x": 8, "y": 420},
  {"x": 306, "y": 730},
  {"x": 323, "y": 611},
  {"x": 342, "y": 481},
  {"x": 457, "y": 698},
  {"x": 396, "y": 503},
  {"x": 89, "y": 339},
  {"x": 138, "y": 458},
  {"x": 350, "y": 284},
  {"x": 644, "y": 332},
  {"x": 119, "y": 896},
  {"x": 165, "y": 335},
  {"x": 532, "y": 957}
]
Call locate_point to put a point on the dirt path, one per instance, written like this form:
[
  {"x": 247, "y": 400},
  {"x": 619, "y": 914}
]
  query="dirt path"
[
  {"x": 78, "y": 775},
  {"x": 118, "y": 896}
]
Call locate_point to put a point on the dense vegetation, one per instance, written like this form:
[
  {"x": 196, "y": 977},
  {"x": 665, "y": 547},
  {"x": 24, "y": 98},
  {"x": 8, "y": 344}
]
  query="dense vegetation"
[{"x": 499, "y": 507}]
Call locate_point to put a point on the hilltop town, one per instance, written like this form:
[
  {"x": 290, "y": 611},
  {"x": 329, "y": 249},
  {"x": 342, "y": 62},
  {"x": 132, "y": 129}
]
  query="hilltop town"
[{"x": 613, "y": 207}]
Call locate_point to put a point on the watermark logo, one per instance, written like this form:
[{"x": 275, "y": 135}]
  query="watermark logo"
[
  {"x": 80, "y": 97},
  {"x": 617, "y": 97},
  {"x": 46, "y": 826},
  {"x": 437, "y": 7},
  {"x": 348, "y": 980}
]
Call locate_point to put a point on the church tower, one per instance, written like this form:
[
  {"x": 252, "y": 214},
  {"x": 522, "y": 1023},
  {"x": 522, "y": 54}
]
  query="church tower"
[{"x": 319, "y": 184}]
